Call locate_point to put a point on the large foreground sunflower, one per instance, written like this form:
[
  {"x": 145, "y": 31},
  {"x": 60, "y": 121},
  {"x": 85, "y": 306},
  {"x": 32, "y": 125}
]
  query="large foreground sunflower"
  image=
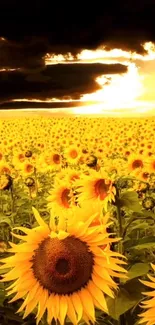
[
  {"x": 62, "y": 269},
  {"x": 148, "y": 316}
]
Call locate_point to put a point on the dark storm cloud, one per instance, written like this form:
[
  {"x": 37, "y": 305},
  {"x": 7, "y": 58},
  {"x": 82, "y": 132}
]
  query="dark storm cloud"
[
  {"x": 41, "y": 105},
  {"x": 55, "y": 81},
  {"x": 66, "y": 26},
  {"x": 22, "y": 55}
]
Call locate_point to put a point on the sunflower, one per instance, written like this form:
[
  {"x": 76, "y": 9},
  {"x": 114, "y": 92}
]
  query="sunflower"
[
  {"x": 152, "y": 165},
  {"x": 63, "y": 270},
  {"x": 27, "y": 168},
  {"x": 143, "y": 175},
  {"x": 96, "y": 187},
  {"x": 135, "y": 162},
  {"x": 72, "y": 154},
  {"x": 61, "y": 198},
  {"x": 148, "y": 316},
  {"x": 18, "y": 159},
  {"x": 69, "y": 174},
  {"x": 5, "y": 182},
  {"x": 54, "y": 159},
  {"x": 5, "y": 168}
]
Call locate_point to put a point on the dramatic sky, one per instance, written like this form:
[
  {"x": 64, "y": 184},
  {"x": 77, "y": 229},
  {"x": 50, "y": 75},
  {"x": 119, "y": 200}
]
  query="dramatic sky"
[{"x": 86, "y": 57}]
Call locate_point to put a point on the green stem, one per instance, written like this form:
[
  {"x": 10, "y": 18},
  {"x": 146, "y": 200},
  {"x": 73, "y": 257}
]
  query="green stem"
[
  {"x": 12, "y": 204},
  {"x": 12, "y": 209},
  {"x": 35, "y": 175},
  {"x": 1, "y": 201},
  {"x": 31, "y": 200},
  {"x": 120, "y": 226},
  {"x": 121, "y": 320}
]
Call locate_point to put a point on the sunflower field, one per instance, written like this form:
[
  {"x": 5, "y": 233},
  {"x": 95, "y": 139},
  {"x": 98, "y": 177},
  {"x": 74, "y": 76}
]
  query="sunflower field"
[{"x": 77, "y": 221}]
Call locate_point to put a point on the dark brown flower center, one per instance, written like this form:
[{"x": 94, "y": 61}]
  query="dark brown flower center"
[
  {"x": 63, "y": 266},
  {"x": 101, "y": 189},
  {"x": 91, "y": 161},
  {"x": 153, "y": 165},
  {"x": 29, "y": 168},
  {"x": 145, "y": 175},
  {"x": 65, "y": 198},
  {"x": 73, "y": 154},
  {"x": 137, "y": 164},
  {"x": 56, "y": 158}
]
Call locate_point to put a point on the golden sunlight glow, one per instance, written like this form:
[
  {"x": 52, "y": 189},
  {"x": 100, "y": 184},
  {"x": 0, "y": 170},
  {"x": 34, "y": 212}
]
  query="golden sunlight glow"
[
  {"x": 121, "y": 90},
  {"x": 102, "y": 56},
  {"x": 99, "y": 110},
  {"x": 48, "y": 100},
  {"x": 8, "y": 69}
]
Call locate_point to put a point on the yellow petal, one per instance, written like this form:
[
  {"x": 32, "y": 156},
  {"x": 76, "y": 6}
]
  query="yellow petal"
[
  {"x": 9, "y": 261},
  {"x": 52, "y": 308},
  {"x": 63, "y": 309},
  {"x": 62, "y": 234},
  {"x": 12, "y": 275},
  {"x": 103, "y": 273},
  {"x": 101, "y": 284},
  {"x": 12, "y": 285},
  {"x": 117, "y": 261},
  {"x": 77, "y": 305},
  {"x": 26, "y": 284},
  {"x": 37, "y": 235},
  {"x": 71, "y": 311},
  {"x": 31, "y": 303},
  {"x": 42, "y": 305},
  {"x": 117, "y": 275},
  {"x": 148, "y": 284},
  {"x": 56, "y": 301},
  {"x": 24, "y": 238},
  {"x": 23, "y": 229},
  {"x": 38, "y": 218},
  {"x": 31, "y": 296},
  {"x": 18, "y": 295},
  {"x": 103, "y": 241},
  {"x": 86, "y": 319},
  {"x": 50, "y": 314},
  {"x": 151, "y": 278},
  {"x": 98, "y": 295},
  {"x": 32, "y": 293},
  {"x": 87, "y": 302},
  {"x": 23, "y": 248},
  {"x": 53, "y": 235},
  {"x": 30, "y": 307},
  {"x": 109, "y": 265}
]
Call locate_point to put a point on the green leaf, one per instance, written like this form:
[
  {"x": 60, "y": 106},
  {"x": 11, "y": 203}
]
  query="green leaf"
[
  {"x": 10, "y": 314},
  {"x": 2, "y": 294},
  {"x": 144, "y": 246},
  {"x": 130, "y": 200},
  {"x": 123, "y": 302},
  {"x": 135, "y": 288},
  {"x": 5, "y": 221},
  {"x": 141, "y": 243},
  {"x": 137, "y": 270},
  {"x": 144, "y": 214},
  {"x": 140, "y": 225}
]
